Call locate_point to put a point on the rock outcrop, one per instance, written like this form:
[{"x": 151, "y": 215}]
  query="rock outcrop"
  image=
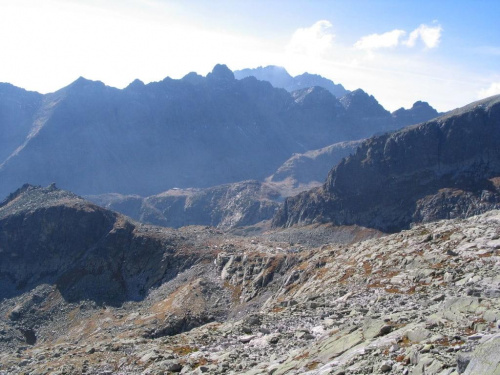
[{"x": 445, "y": 168}]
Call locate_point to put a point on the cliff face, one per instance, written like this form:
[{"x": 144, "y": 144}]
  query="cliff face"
[{"x": 381, "y": 185}]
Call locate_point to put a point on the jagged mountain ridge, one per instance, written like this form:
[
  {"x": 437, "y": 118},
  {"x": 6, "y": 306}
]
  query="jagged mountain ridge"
[
  {"x": 279, "y": 77},
  {"x": 193, "y": 132},
  {"x": 415, "y": 174}
]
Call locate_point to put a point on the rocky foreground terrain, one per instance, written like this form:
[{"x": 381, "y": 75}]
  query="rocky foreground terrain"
[{"x": 87, "y": 291}]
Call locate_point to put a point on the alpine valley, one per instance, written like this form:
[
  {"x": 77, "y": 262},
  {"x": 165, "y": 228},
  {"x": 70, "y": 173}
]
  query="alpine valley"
[{"x": 246, "y": 223}]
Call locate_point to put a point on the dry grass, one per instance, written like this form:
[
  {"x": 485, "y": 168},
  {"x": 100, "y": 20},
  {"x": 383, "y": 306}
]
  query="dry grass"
[
  {"x": 347, "y": 274},
  {"x": 184, "y": 350},
  {"x": 313, "y": 365},
  {"x": 302, "y": 356}
]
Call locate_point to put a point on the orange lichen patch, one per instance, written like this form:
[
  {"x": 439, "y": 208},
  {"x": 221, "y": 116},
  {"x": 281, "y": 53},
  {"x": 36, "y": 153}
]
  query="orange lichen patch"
[
  {"x": 469, "y": 331},
  {"x": 376, "y": 284},
  {"x": 438, "y": 266},
  {"x": 302, "y": 266},
  {"x": 302, "y": 356},
  {"x": 312, "y": 365}
]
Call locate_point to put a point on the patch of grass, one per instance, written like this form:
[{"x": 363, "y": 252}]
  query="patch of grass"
[{"x": 184, "y": 350}]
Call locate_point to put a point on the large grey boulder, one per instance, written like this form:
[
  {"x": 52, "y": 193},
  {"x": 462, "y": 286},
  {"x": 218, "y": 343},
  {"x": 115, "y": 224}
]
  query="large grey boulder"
[{"x": 485, "y": 360}]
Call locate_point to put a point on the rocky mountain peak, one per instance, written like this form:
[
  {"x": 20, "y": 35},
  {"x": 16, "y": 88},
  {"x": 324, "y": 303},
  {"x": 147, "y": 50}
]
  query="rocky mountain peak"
[
  {"x": 193, "y": 78},
  {"x": 136, "y": 84},
  {"x": 221, "y": 73},
  {"x": 84, "y": 82},
  {"x": 419, "y": 112},
  {"x": 359, "y": 101}
]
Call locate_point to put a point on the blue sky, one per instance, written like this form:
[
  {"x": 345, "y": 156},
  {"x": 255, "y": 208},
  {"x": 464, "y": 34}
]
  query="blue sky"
[{"x": 443, "y": 52}]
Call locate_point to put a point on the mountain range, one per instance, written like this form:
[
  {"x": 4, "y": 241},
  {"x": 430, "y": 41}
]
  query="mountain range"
[{"x": 194, "y": 132}]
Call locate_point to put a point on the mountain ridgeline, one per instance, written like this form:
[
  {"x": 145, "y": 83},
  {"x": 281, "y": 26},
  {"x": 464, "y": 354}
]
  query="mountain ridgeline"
[
  {"x": 279, "y": 77},
  {"x": 445, "y": 168},
  {"x": 193, "y": 132}
]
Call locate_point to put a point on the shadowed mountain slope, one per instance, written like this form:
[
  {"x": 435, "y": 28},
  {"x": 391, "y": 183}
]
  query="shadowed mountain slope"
[{"x": 50, "y": 236}]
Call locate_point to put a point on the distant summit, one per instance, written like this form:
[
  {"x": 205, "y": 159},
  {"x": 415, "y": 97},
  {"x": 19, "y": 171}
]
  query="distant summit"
[
  {"x": 280, "y": 78},
  {"x": 221, "y": 73},
  {"x": 419, "y": 112}
]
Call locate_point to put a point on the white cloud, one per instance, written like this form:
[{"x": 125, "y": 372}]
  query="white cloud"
[
  {"x": 429, "y": 35},
  {"x": 313, "y": 41},
  {"x": 385, "y": 40},
  {"x": 494, "y": 89}
]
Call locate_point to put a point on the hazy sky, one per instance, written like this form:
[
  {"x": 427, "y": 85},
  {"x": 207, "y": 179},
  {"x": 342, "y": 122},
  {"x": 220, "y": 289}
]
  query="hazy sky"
[{"x": 400, "y": 51}]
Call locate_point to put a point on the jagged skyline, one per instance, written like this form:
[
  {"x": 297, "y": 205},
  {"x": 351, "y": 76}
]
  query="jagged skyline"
[{"x": 399, "y": 52}]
